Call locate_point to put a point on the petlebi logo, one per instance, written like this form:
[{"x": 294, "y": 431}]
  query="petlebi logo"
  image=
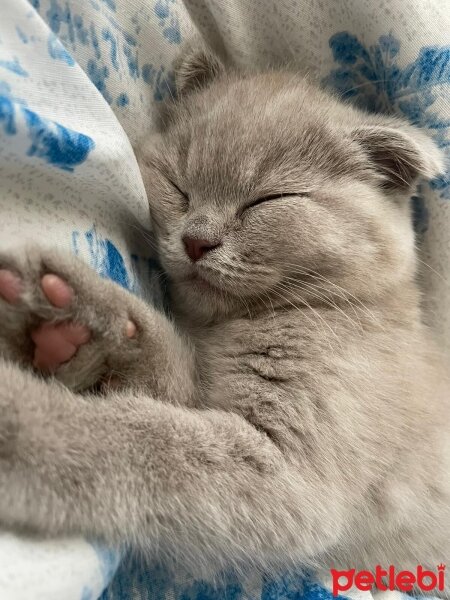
[{"x": 388, "y": 579}]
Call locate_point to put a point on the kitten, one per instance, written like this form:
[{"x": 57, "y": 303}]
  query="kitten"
[{"x": 294, "y": 411}]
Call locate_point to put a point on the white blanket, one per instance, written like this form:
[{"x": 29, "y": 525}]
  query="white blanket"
[{"x": 79, "y": 83}]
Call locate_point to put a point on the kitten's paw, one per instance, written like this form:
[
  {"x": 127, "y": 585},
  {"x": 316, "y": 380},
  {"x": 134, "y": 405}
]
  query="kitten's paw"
[
  {"x": 55, "y": 343},
  {"x": 60, "y": 317}
]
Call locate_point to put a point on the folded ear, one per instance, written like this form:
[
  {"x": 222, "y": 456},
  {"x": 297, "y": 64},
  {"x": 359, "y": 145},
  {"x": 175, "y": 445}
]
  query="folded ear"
[
  {"x": 399, "y": 153},
  {"x": 196, "y": 68}
]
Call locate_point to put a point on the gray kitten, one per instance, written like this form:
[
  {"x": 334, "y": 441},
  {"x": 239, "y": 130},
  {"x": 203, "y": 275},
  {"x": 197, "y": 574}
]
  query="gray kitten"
[{"x": 295, "y": 412}]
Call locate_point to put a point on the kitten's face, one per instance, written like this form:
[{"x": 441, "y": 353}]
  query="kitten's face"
[{"x": 259, "y": 191}]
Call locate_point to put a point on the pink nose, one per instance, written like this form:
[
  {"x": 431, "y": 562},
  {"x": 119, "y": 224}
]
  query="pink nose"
[{"x": 196, "y": 248}]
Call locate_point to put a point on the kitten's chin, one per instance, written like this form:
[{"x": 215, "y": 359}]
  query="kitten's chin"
[
  {"x": 196, "y": 296},
  {"x": 199, "y": 282},
  {"x": 195, "y": 283}
]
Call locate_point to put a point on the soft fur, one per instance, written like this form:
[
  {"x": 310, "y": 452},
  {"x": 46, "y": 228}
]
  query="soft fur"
[{"x": 296, "y": 411}]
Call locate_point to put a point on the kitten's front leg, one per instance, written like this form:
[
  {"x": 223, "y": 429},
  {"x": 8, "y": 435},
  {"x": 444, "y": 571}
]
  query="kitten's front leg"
[
  {"x": 202, "y": 488},
  {"x": 58, "y": 315}
]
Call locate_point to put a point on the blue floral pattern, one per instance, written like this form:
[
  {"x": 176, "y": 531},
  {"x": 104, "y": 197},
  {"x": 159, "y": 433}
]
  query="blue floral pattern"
[
  {"x": 152, "y": 582},
  {"x": 49, "y": 141},
  {"x": 108, "y": 261},
  {"x": 114, "y": 50},
  {"x": 374, "y": 79}
]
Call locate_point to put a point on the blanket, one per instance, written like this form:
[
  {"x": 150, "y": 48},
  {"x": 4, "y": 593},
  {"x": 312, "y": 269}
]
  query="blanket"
[{"x": 80, "y": 83}]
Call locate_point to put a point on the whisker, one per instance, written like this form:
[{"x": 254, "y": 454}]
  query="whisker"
[
  {"x": 356, "y": 87},
  {"x": 146, "y": 236},
  {"x": 317, "y": 275},
  {"x": 444, "y": 279},
  {"x": 319, "y": 316},
  {"x": 316, "y": 294}
]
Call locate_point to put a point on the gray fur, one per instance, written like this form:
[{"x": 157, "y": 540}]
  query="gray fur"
[{"x": 296, "y": 412}]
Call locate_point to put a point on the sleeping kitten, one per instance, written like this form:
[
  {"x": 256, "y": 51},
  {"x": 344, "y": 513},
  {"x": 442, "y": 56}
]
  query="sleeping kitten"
[{"x": 295, "y": 411}]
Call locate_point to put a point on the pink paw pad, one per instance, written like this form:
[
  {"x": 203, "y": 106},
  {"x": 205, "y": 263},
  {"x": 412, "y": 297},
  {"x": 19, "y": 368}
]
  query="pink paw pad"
[
  {"x": 58, "y": 292},
  {"x": 130, "y": 329},
  {"x": 57, "y": 343},
  {"x": 10, "y": 286}
]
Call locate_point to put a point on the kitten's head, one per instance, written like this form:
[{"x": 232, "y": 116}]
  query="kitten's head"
[{"x": 263, "y": 187}]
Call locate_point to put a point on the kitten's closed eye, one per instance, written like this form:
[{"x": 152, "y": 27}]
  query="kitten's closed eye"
[
  {"x": 184, "y": 196},
  {"x": 272, "y": 197}
]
